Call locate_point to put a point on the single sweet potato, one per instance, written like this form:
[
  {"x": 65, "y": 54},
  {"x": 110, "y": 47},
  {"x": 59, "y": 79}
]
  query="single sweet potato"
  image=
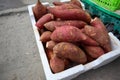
[
  {"x": 68, "y": 34},
  {"x": 57, "y": 64},
  {"x": 70, "y": 51},
  {"x": 94, "y": 51},
  {"x": 50, "y": 44},
  {"x": 45, "y": 36},
  {"x": 43, "y": 20},
  {"x": 39, "y": 10},
  {"x": 70, "y": 14},
  {"x": 101, "y": 34},
  {"x": 51, "y": 25}
]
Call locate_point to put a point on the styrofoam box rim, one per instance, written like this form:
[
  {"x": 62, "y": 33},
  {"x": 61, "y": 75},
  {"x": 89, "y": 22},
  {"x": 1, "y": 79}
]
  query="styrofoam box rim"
[{"x": 76, "y": 70}]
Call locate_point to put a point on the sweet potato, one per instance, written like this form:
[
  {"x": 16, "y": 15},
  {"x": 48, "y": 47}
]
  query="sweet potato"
[
  {"x": 94, "y": 51},
  {"x": 89, "y": 41},
  {"x": 68, "y": 34},
  {"x": 71, "y": 34},
  {"x": 49, "y": 54},
  {"x": 45, "y": 36},
  {"x": 71, "y": 14},
  {"x": 43, "y": 20},
  {"x": 89, "y": 58},
  {"x": 50, "y": 44},
  {"x": 93, "y": 33},
  {"x": 58, "y": 3},
  {"x": 41, "y": 31},
  {"x": 69, "y": 6},
  {"x": 39, "y": 10},
  {"x": 102, "y": 32},
  {"x": 67, "y": 63},
  {"x": 76, "y": 2},
  {"x": 66, "y": 6},
  {"x": 70, "y": 51},
  {"x": 51, "y": 25},
  {"x": 96, "y": 22},
  {"x": 99, "y": 33},
  {"x": 57, "y": 64}
]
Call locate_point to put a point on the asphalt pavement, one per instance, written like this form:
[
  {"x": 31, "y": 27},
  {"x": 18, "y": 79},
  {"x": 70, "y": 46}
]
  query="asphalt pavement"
[{"x": 19, "y": 56}]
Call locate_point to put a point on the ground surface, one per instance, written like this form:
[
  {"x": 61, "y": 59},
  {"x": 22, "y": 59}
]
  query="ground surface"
[{"x": 19, "y": 57}]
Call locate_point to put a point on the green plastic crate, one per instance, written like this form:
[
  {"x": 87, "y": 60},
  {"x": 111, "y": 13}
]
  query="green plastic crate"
[
  {"x": 105, "y": 15},
  {"x": 111, "y": 5}
]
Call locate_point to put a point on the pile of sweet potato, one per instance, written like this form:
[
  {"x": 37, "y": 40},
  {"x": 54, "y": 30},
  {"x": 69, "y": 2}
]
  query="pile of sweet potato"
[{"x": 70, "y": 36}]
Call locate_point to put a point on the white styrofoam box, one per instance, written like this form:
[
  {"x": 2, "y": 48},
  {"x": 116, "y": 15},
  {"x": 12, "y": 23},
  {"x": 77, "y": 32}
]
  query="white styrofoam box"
[{"x": 76, "y": 70}]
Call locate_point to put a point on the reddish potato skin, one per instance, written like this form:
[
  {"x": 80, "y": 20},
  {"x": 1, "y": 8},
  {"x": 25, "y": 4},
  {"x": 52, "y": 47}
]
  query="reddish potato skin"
[
  {"x": 57, "y": 3},
  {"x": 71, "y": 14},
  {"x": 57, "y": 64},
  {"x": 52, "y": 25},
  {"x": 67, "y": 63},
  {"x": 96, "y": 22},
  {"x": 39, "y": 10},
  {"x": 67, "y": 34},
  {"x": 45, "y": 36},
  {"x": 69, "y": 6},
  {"x": 71, "y": 34},
  {"x": 99, "y": 34},
  {"x": 70, "y": 51},
  {"x": 51, "y": 57},
  {"x": 50, "y": 44},
  {"x": 66, "y": 6},
  {"x": 89, "y": 58},
  {"x": 102, "y": 32},
  {"x": 89, "y": 41},
  {"x": 49, "y": 53},
  {"x": 76, "y": 2},
  {"x": 46, "y": 18},
  {"x": 94, "y": 51}
]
